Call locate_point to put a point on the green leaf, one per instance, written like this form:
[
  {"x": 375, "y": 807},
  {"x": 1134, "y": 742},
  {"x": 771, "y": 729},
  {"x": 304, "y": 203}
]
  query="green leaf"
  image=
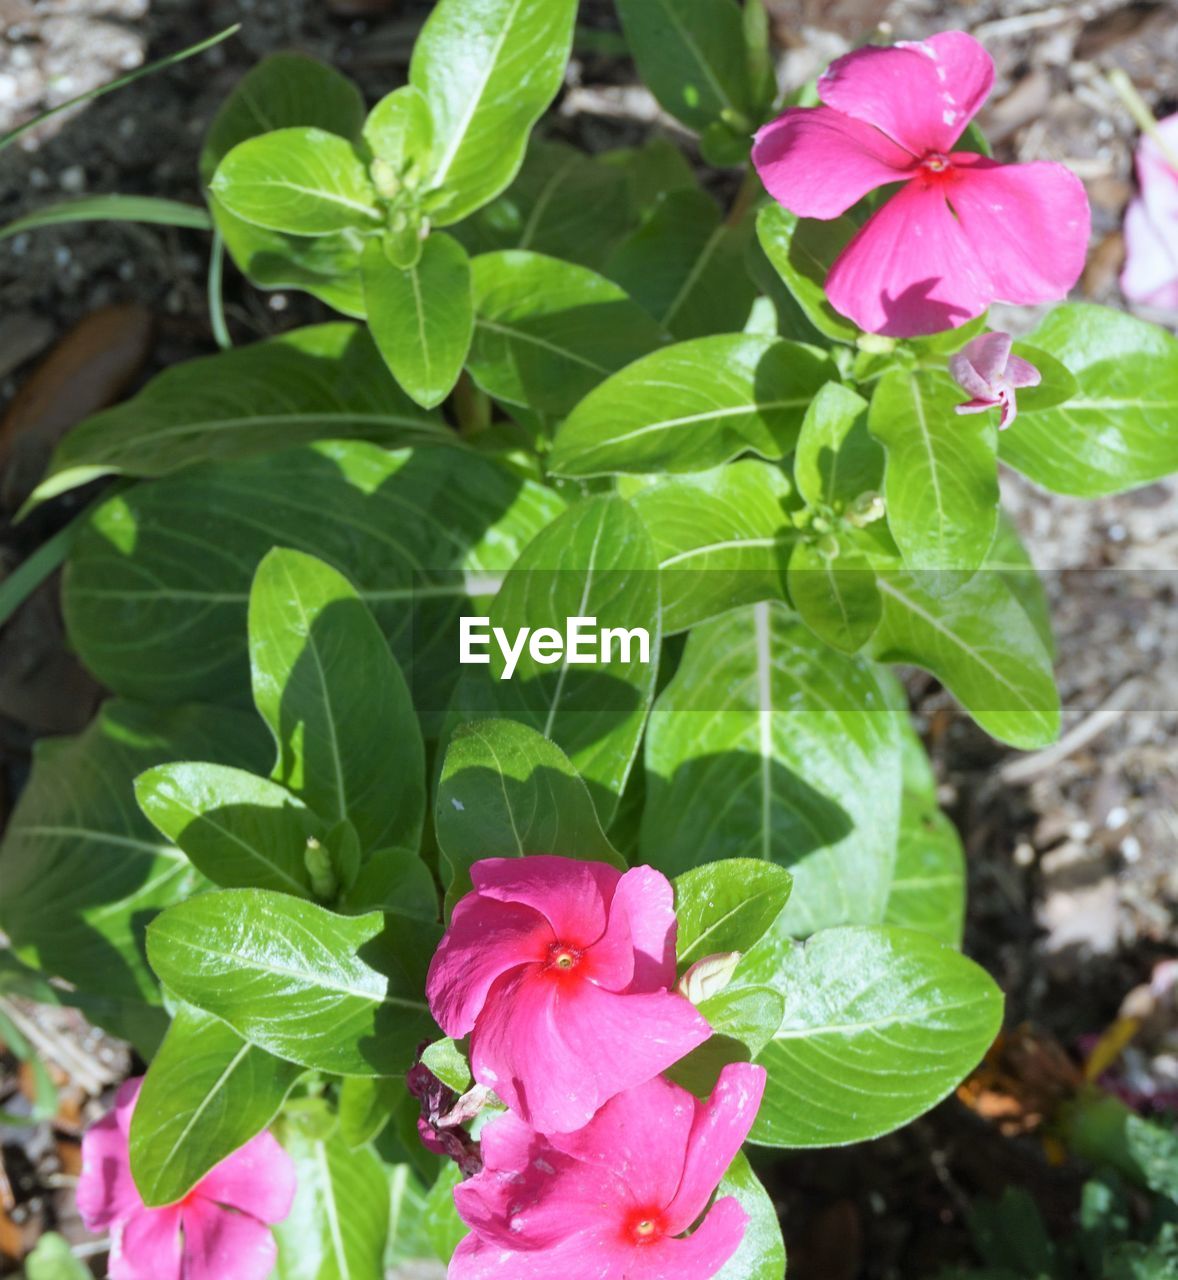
[
  {"x": 802, "y": 251},
  {"x": 206, "y": 1094},
  {"x": 488, "y": 69},
  {"x": 685, "y": 265},
  {"x": 832, "y": 586},
  {"x": 692, "y": 56},
  {"x": 506, "y": 791},
  {"x": 445, "y": 1060},
  {"x": 366, "y": 1105},
  {"x": 652, "y": 171},
  {"x": 52, "y": 1259},
  {"x": 693, "y": 406},
  {"x": 338, "y": 1225},
  {"x": 547, "y": 332},
  {"x": 727, "y": 906},
  {"x": 83, "y": 870},
  {"x": 761, "y": 1254},
  {"x": 400, "y": 131},
  {"x": 837, "y": 460},
  {"x": 395, "y": 881},
  {"x": 349, "y": 744},
  {"x": 421, "y": 318},
  {"x": 594, "y": 561},
  {"x": 323, "y": 382},
  {"x": 800, "y": 744},
  {"x": 941, "y": 479},
  {"x": 302, "y": 181},
  {"x": 293, "y": 978},
  {"x": 722, "y": 538},
  {"x": 1056, "y": 383},
  {"x": 158, "y": 583},
  {"x": 112, "y": 208},
  {"x": 928, "y": 888},
  {"x": 444, "y": 1228},
  {"x": 1117, "y": 432},
  {"x": 880, "y": 1024},
  {"x": 239, "y": 830}
]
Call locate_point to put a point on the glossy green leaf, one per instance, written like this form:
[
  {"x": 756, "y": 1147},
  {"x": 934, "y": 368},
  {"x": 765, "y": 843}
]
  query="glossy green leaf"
[
  {"x": 941, "y": 478},
  {"x": 880, "y": 1024},
  {"x": 324, "y": 680},
  {"x": 158, "y": 583},
  {"x": 685, "y": 265},
  {"x": 1056, "y": 381},
  {"x": 323, "y": 382},
  {"x": 802, "y": 251},
  {"x": 366, "y": 1104},
  {"x": 547, "y": 332},
  {"x": 1011, "y": 560},
  {"x": 339, "y": 1223},
  {"x": 446, "y": 1061},
  {"x": 488, "y": 69},
  {"x": 302, "y": 181},
  {"x": 692, "y": 55},
  {"x": 206, "y": 1093},
  {"x": 832, "y": 586},
  {"x": 1117, "y": 431},
  {"x": 293, "y": 978},
  {"x": 722, "y": 538},
  {"x": 928, "y": 888},
  {"x": 761, "y": 1254},
  {"x": 727, "y": 906},
  {"x": 837, "y": 460},
  {"x": 799, "y": 743},
  {"x": 239, "y": 830},
  {"x": 506, "y": 791},
  {"x": 112, "y": 208},
  {"x": 421, "y": 318},
  {"x": 82, "y": 869},
  {"x": 693, "y": 406},
  {"x": 400, "y": 131},
  {"x": 594, "y": 561}
]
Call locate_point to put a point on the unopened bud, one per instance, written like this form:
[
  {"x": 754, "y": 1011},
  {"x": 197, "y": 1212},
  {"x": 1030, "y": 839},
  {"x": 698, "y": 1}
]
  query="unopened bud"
[
  {"x": 709, "y": 976},
  {"x": 384, "y": 179},
  {"x": 317, "y": 860},
  {"x": 866, "y": 509}
]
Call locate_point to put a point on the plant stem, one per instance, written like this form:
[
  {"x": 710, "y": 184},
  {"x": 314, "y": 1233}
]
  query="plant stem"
[
  {"x": 750, "y": 189},
  {"x": 1144, "y": 118},
  {"x": 471, "y": 407},
  {"x": 216, "y": 300}
]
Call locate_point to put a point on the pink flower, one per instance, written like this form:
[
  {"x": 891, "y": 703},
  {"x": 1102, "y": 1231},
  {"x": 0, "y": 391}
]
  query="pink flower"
[
  {"x": 1151, "y": 225},
  {"x": 985, "y": 368},
  {"x": 219, "y": 1228},
  {"x": 561, "y": 972},
  {"x": 612, "y": 1201},
  {"x": 963, "y": 231}
]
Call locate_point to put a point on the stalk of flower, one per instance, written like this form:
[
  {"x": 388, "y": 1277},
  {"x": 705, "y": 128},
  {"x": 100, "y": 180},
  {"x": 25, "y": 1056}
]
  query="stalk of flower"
[{"x": 963, "y": 231}]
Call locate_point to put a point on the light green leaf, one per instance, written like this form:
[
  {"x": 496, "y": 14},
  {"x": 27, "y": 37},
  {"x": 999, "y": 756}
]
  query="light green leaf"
[
  {"x": 802, "y": 251},
  {"x": 761, "y": 1254},
  {"x": 506, "y": 791},
  {"x": 727, "y": 906},
  {"x": 112, "y": 208},
  {"x": 53, "y": 1260},
  {"x": 685, "y": 265},
  {"x": 422, "y": 318},
  {"x": 722, "y": 538},
  {"x": 488, "y": 69},
  {"x": 801, "y": 746},
  {"x": 832, "y": 586},
  {"x": 547, "y": 332},
  {"x": 366, "y": 1104},
  {"x": 928, "y": 888},
  {"x": 400, "y": 131},
  {"x": 442, "y": 1224},
  {"x": 941, "y": 479},
  {"x": 349, "y": 744},
  {"x": 693, "y": 406},
  {"x": 83, "y": 870},
  {"x": 837, "y": 460},
  {"x": 323, "y": 382},
  {"x": 293, "y": 978},
  {"x": 302, "y": 181},
  {"x": 206, "y": 1094},
  {"x": 445, "y": 1060},
  {"x": 1117, "y": 432},
  {"x": 594, "y": 561},
  {"x": 880, "y": 1024},
  {"x": 1056, "y": 382}
]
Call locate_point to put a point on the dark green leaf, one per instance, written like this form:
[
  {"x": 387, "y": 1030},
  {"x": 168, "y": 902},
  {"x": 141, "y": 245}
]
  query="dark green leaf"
[
  {"x": 837, "y": 461},
  {"x": 832, "y": 586},
  {"x": 112, "y": 208},
  {"x": 802, "y": 250}
]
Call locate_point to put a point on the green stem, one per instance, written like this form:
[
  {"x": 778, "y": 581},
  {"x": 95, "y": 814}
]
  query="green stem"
[
  {"x": 1144, "y": 118},
  {"x": 750, "y": 189},
  {"x": 216, "y": 301},
  {"x": 471, "y": 406}
]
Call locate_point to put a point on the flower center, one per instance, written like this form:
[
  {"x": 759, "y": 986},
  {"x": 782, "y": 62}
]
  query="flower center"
[
  {"x": 563, "y": 958},
  {"x": 935, "y": 162},
  {"x": 645, "y": 1226}
]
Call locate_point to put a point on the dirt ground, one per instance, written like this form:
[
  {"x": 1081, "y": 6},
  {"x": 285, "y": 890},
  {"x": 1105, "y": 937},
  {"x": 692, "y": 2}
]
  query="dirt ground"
[{"x": 1073, "y": 873}]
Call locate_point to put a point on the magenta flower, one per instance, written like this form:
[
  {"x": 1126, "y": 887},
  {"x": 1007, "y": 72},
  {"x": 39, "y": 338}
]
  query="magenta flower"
[
  {"x": 612, "y": 1201},
  {"x": 985, "y": 368},
  {"x": 561, "y": 973},
  {"x": 1151, "y": 225},
  {"x": 218, "y": 1230},
  {"x": 963, "y": 231}
]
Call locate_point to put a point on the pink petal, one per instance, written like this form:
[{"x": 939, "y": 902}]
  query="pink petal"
[
  {"x": 910, "y": 269},
  {"x": 219, "y": 1243},
  {"x": 573, "y": 895},
  {"x": 977, "y": 406},
  {"x": 125, "y": 1100},
  {"x": 106, "y": 1191},
  {"x": 577, "y": 1257},
  {"x": 147, "y": 1246},
  {"x": 1027, "y": 224},
  {"x": 985, "y": 357},
  {"x": 637, "y": 950},
  {"x": 485, "y": 939},
  {"x": 818, "y": 163},
  {"x": 1009, "y": 410},
  {"x": 1158, "y": 179},
  {"x": 259, "y": 1179},
  {"x": 922, "y": 95},
  {"x": 720, "y": 1127},
  {"x": 700, "y": 1255},
  {"x": 1022, "y": 373},
  {"x": 1150, "y": 276}
]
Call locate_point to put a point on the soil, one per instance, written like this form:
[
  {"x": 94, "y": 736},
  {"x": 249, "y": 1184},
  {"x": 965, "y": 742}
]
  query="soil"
[{"x": 1073, "y": 878}]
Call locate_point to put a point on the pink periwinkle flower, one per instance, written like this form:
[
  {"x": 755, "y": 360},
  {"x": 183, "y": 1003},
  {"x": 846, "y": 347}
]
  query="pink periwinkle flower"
[
  {"x": 1151, "y": 225},
  {"x": 986, "y": 369},
  {"x": 218, "y": 1230},
  {"x": 963, "y": 231},
  {"x": 613, "y": 1200},
  {"x": 561, "y": 972}
]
